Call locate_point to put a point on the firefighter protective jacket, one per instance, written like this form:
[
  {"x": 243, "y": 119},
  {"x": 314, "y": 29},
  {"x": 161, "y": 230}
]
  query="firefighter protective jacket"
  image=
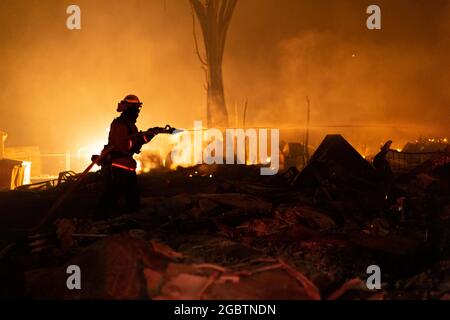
[{"x": 126, "y": 141}]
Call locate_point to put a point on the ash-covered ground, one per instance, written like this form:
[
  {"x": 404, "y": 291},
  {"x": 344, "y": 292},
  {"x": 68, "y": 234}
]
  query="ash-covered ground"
[{"x": 226, "y": 232}]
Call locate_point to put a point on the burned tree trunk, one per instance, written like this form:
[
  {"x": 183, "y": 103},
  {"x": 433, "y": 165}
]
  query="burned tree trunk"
[
  {"x": 306, "y": 144},
  {"x": 214, "y": 17}
]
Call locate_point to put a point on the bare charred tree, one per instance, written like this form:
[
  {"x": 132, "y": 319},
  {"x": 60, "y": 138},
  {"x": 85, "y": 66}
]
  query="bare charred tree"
[
  {"x": 306, "y": 144},
  {"x": 214, "y": 17}
]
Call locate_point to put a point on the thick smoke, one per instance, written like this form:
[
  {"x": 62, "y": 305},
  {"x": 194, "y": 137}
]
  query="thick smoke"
[{"x": 60, "y": 87}]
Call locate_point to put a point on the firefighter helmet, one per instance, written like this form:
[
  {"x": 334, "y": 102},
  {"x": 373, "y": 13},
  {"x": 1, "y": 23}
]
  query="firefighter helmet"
[{"x": 128, "y": 101}]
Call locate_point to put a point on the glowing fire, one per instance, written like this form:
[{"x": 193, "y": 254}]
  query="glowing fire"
[
  {"x": 138, "y": 166},
  {"x": 85, "y": 153},
  {"x": 27, "y": 172}
]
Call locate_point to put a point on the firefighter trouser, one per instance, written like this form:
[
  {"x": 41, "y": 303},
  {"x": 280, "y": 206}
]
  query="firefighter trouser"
[{"x": 118, "y": 185}]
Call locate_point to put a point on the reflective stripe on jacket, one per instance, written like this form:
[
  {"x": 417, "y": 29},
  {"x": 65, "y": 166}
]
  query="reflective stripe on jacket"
[{"x": 124, "y": 146}]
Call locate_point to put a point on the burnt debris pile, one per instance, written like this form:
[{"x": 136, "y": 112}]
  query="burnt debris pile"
[{"x": 226, "y": 232}]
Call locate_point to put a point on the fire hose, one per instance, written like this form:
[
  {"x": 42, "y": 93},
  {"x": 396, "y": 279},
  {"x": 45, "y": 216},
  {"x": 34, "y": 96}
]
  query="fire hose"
[{"x": 95, "y": 161}]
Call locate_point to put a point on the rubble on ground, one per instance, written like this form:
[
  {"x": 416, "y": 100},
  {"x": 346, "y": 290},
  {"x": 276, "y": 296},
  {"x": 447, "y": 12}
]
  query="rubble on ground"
[{"x": 225, "y": 232}]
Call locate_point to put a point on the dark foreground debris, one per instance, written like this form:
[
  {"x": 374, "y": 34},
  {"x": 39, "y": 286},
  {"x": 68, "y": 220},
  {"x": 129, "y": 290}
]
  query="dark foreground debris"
[{"x": 225, "y": 232}]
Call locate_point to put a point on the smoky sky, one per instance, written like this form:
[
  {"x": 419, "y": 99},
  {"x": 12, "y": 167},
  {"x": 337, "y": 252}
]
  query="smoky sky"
[{"x": 59, "y": 88}]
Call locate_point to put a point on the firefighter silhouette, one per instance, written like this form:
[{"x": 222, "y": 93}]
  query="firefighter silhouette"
[{"x": 119, "y": 168}]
